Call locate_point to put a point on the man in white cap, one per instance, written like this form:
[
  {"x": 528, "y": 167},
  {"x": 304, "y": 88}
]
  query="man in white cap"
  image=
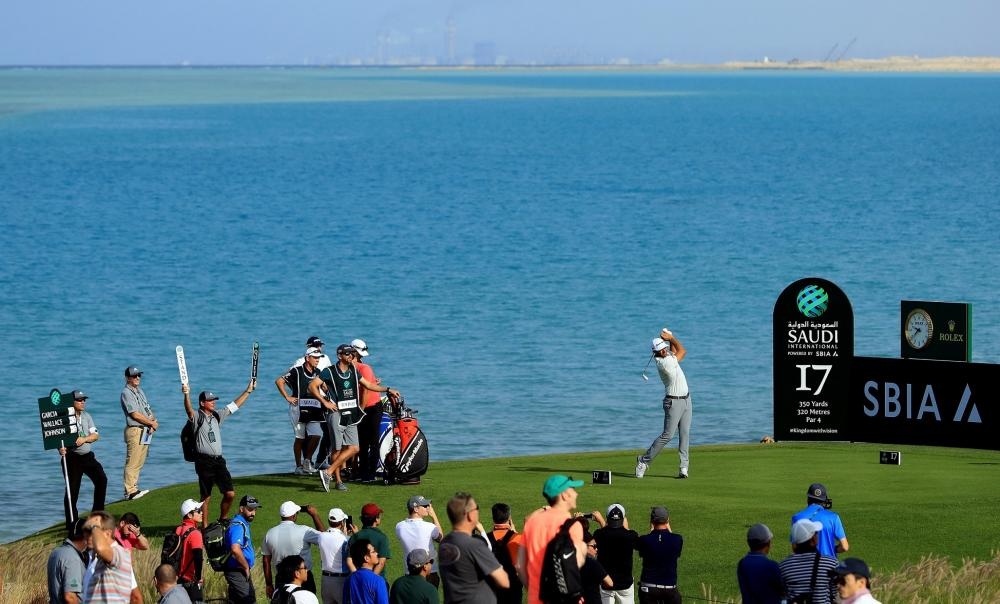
[
  {"x": 371, "y": 403},
  {"x": 668, "y": 353},
  {"x": 806, "y": 571},
  {"x": 306, "y": 413},
  {"x": 415, "y": 532},
  {"x": 334, "y": 556},
  {"x": 288, "y": 538},
  {"x": 192, "y": 546}
]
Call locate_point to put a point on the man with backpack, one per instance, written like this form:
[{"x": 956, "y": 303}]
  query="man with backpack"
[
  {"x": 543, "y": 525},
  {"x": 185, "y": 549},
  {"x": 210, "y": 465},
  {"x": 294, "y": 567},
  {"x": 506, "y": 544},
  {"x": 241, "y": 555}
]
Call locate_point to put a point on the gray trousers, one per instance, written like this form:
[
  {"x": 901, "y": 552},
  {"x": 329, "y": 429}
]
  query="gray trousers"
[{"x": 676, "y": 418}]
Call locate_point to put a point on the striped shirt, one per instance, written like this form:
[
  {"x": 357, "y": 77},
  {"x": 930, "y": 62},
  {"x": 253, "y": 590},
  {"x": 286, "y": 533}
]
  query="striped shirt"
[
  {"x": 111, "y": 583},
  {"x": 796, "y": 572}
]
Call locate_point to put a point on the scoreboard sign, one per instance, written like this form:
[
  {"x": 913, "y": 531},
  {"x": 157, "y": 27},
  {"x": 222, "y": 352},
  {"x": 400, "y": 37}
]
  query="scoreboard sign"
[
  {"x": 58, "y": 419},
  {"x": 813, "y": 352}
]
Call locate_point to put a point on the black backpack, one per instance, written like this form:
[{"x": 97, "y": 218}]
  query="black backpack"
[
  {"x": 214, "y": 536},
  {"x": 188, "y": 432},
  {"x": 173, "y": 547},
  {"x": 283, "y": 596},
  {"x": 561, "y": 581},
  {"x": 502, "y": 554}
]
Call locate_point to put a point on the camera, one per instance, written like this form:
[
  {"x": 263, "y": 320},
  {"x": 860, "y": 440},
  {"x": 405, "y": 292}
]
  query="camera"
[
  {"x": 589, "y": 516},
  {"x": 602, "y": 477}
]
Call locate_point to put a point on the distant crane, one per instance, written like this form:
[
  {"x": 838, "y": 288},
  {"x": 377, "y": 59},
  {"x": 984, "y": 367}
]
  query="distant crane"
[
  {"x": 848, "y": 47},
  {"x": 831, "y": 51}
]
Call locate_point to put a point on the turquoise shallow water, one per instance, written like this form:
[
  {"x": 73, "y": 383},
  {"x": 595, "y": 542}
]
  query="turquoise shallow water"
[{"x": 506, "y": 242}]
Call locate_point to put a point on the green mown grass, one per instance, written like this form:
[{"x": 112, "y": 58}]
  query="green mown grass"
[{"x": 938, "y": 503}]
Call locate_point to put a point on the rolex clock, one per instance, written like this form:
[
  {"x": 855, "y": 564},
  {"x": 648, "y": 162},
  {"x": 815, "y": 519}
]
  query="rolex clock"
[{"x": 918, "y": 328}]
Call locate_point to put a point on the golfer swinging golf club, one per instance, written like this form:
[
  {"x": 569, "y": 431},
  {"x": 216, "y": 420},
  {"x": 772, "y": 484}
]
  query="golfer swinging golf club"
[{"x": 668, "y": 352}]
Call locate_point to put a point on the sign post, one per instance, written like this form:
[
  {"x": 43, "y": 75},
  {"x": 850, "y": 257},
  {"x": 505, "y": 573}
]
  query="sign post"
[
  {"x": 58, "y": 419},
  {"x": 59, "y": 426},
  {"x": 813, "y": 352}
]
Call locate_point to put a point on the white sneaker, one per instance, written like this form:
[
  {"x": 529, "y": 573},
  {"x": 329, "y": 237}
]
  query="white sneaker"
[
  {"x": 307, "y": 465},
  {"x": 325, "y": 479},
  {"x": 640, "y": 467},
  {"x": 300, "y": 471},
  {"x": 683, "y": 473}
]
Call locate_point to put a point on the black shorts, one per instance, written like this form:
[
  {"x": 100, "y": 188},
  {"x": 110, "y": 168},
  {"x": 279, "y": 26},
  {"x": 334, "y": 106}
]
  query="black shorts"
[{"x": 213, "y": 471}]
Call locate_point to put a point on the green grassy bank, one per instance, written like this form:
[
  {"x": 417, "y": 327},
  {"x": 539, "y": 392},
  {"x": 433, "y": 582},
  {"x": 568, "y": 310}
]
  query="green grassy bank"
[{"x": 939, "y": 503}]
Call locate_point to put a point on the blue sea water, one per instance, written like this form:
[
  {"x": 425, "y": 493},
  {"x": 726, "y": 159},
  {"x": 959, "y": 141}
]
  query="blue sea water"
[{"x": 507, "y": 243}]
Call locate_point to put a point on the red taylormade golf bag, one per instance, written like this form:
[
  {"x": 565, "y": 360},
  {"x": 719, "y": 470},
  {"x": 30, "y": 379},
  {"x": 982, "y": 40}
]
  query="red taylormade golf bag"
[{"x": 403, "y": 454}]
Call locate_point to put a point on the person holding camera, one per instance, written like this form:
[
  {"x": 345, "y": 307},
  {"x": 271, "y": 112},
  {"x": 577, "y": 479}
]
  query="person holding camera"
[
  {"x": 289, "y": 538},
  {"x": 335, "y": 556},
  {"x": 832, "y": 539}
]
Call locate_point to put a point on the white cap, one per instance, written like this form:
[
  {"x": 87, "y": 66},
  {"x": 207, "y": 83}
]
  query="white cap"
[
  {"x": 288, "y": 509},
  {"x": 360, "y": 346},
  {"x": 659, "y": 344},
  {"x": 312, "y": 351},
  {"x": 189, "y": 506},
  {"x": 804, "y": 529},
  {"x": 337, "y": 515}
]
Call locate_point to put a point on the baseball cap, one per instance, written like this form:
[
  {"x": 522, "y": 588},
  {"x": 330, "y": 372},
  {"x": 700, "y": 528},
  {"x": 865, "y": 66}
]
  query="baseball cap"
[
  {"x": 804, "y": 529},
  {"x": 417, "y": 501},
  {"x": 207, "y": 395},
  {"x": 79, "y": 395},
  {"x": 659, "y": 515},
  {"x": 360, "y": 346},
  {"x": 312, "y": 351},
  {"x": 418, "y": 557},
  {"x": 371, "y": 510},
  {"x": 189, "y": 506},
  {"x": 337, "y": 515},
  {"x": 852, "y": 566},
  {"x": 345, "y": 348},
  {"x": 314, "y": 341},
  {"x": 817, "y": 492},
  {"x": 558, "y": 483},
  {"x": 288, "y": 509},
  {"x": 132, "y": 371},
  {"x": 616, "y": 515},
  {"x": 249, "y": 502},
  {"x": 759, "y": 534},
  {"x": 659, "y": 344}
]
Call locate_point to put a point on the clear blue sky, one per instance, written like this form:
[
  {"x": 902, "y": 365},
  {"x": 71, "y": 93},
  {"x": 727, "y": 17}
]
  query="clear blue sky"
[{"x": 58, "y": 32}]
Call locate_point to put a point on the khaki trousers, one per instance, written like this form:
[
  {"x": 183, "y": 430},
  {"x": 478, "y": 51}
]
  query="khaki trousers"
[{"x": 135, "y": 458}]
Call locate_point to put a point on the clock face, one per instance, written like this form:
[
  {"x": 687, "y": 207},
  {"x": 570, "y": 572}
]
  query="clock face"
[{"x": 919, "y": 328}]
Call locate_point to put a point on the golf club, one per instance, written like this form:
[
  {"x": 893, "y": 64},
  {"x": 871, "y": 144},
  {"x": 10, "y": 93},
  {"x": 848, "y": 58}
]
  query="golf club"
[{"x": 644, "y": 376}]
